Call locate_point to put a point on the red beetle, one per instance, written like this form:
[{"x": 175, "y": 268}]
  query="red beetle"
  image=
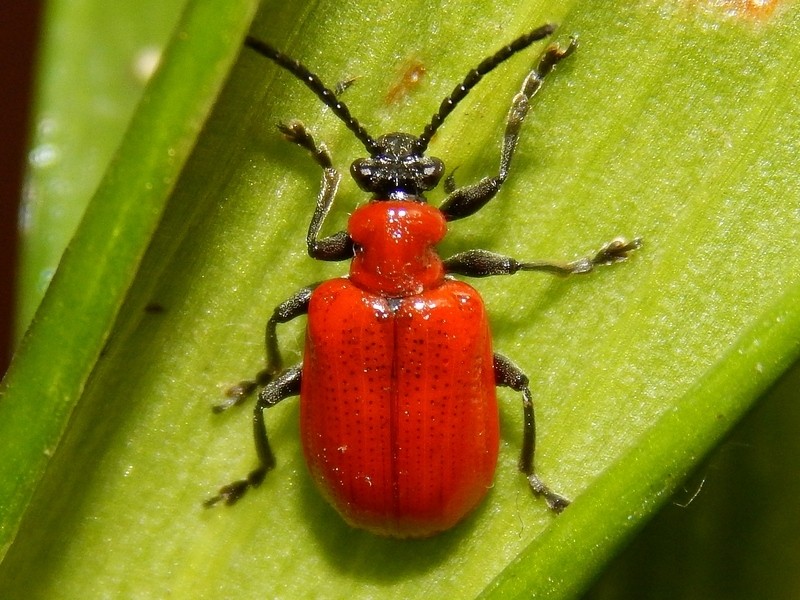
[{"x": 398, "y": 408}]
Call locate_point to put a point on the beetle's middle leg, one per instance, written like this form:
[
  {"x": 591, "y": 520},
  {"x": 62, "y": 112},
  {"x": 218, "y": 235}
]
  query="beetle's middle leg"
[
  {"x": 508, "y": 374},
  {"x": 285, "y": 385},
  {"x": 287, "y": 310},
  {"x": 482, "y": 263}
]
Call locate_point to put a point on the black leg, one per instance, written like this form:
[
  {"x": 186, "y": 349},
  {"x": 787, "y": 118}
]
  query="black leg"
[
  {"x": 509, "y": 375},
  {"x": 286, "y": 311},
  {"x": 469, "y": 199},
  {"x": 285, "y": 385},
  {"x": 338, "y": 246},
  {"x": 482, "y": 263}
]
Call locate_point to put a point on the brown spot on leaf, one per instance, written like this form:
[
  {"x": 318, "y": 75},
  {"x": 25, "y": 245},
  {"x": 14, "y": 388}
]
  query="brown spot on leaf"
[
  {"x": 409, "y": 76},
  {"x": 751, "y": 9}
]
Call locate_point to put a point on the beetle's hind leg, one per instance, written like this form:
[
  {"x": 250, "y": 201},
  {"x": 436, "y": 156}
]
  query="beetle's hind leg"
[
  {"x": 508, "y": 374},
  {"x": 285, "y": 385},
  {"x": 287, "y": 310}
]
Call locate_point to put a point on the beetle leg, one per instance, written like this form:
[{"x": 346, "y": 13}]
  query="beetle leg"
[
  {"x": 469, "y": 199},
  {"x": 285, "y": 385},
  {"x": 338, "y": 246},
  {"x": 482, "y": 263},
  {"x": 287, "y": 310},
  {"x": 507, "y": 374}
]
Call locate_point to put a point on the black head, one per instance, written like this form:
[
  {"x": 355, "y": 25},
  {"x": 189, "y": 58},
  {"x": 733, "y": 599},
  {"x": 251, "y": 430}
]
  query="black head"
[
  {"x": 397, "y": 166},
  {"x": 397, "y": 169}
]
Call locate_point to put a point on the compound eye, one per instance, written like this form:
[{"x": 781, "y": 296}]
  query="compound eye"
[
  {"x": 432, "y": 171},
  {"x": 360, "y": 167},
  {"x": 363, "y": 171}
]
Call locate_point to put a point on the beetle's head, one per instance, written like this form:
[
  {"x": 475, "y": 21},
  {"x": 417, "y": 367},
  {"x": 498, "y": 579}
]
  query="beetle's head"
[{"x": 397, "y": 168}]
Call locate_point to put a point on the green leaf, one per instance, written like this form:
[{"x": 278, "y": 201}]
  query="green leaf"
[
  {"x": 673, "y": 121},
  {"x": 732, "y": 531},
  {"x": 65, "y": 339},
  {"x": 94, "y": 61}
]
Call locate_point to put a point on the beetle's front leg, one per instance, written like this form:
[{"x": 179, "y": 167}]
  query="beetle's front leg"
[
  {"x": 508, "y": 374},
  {"x": 287, "y": 310},
  {"x": 482, "y": 263},
  {"x": 338, "y": 246},
  {"x": 469, "y": 199},
  {"x": 285, "y": 385}
]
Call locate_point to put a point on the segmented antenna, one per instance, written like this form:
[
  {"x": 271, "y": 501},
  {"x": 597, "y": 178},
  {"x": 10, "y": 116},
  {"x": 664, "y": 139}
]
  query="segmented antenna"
[
  {"x": 315, "y": 84},
  {"x": 475, "y": 75}
]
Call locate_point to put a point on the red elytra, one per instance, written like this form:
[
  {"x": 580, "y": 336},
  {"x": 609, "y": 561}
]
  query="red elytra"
[
  {"x": 398, "y": 406},
  {"x": 398, "y": 414}
]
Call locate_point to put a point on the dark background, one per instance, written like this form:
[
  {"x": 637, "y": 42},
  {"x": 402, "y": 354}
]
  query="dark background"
[{"x": 19, "y": 36}]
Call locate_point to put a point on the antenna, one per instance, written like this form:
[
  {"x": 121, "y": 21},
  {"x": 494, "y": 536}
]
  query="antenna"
[
  {"x": 315, "y": 84},
  {"x": 475, "y": 75}
]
